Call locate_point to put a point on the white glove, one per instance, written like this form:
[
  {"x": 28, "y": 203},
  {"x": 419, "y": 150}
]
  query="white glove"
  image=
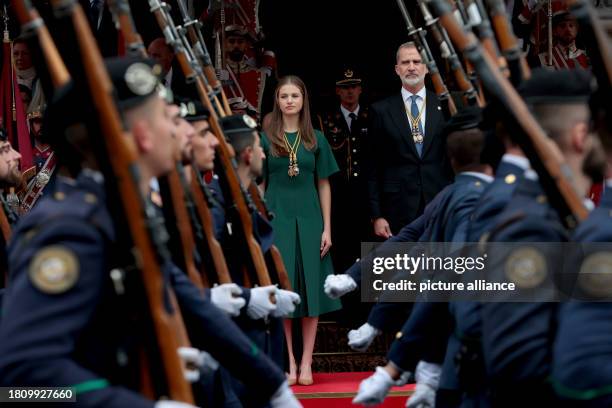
[
  {"x": 173, "y": 404},
  {"x": 285, "y": 302},
  {"x": 374, "y": 389},
  {"x": 360, "y": 339},
  {"x": 428, "y": 378},
  {"x": 227, "y": 298},
  {"x": 260, "y": 305},
  {"x": 284, "y": 398},
  {"x": 338, "y": 285},
  {"x": 196, "y": 361}
]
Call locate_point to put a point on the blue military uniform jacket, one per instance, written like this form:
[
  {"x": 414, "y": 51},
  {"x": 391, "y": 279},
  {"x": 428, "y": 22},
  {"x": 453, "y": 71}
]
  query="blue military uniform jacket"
[
  {"x": 581, "y": 371},
  {"x": 517, "y": 337},
  {"x": 450, "y": 210},
  {"x": 419, "y": 338},
  {"x": 61, "y": 325}
]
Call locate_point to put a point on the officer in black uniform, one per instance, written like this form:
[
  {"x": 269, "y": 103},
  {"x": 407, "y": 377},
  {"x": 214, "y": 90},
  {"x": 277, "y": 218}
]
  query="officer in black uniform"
[
  {"x": 67, "y": 320},
  {"x": 345, "y": 126}
]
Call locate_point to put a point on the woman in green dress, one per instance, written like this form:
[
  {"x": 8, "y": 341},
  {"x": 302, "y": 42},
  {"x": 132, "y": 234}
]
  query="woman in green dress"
[{"x": 299, "y": 162}]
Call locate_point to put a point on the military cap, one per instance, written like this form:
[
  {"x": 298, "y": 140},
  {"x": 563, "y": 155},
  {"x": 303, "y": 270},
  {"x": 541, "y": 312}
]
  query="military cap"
[
  {"x": 468, "y": 117},
  {"x": 348, "y": 77},
  {"x": 561, "y": 16},
  {"x": 238, "y": 124},
  {"x": 135, "y": 79},
  {"x": 193, "y": 111},
  {"x": 557, "y": 87},
  {"x": 35, "y": 112},
  {"x": 236, "y": 30}
]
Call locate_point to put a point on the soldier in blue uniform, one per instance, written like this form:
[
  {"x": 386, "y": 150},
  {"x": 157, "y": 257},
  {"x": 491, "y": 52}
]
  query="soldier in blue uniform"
[
  {"x": 419, "y": 339},
  {"x": 581, "y": 354},
  {"x": 67, "y": 320},
  {"x": 517, "y": 338}
]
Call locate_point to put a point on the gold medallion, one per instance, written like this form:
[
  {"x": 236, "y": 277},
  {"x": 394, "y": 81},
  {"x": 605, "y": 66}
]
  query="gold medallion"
[
  {"x": 595, "y": 276},
  {"x": 526, "y": 267},
  {"x": 54, "y": 270}
]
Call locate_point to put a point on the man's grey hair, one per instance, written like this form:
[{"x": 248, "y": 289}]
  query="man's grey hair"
[{"x": 408, "y": 44}]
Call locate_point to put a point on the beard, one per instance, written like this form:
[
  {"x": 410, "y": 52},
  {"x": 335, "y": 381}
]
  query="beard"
[
  {"x": 413, "y": 81},
  {"x": 236, "y": 55}
]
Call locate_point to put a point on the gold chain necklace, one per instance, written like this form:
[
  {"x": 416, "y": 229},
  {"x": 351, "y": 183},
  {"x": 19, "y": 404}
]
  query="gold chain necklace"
[
  {"x": 294, "y": 170},
  {"x": 417, "y": 136}
]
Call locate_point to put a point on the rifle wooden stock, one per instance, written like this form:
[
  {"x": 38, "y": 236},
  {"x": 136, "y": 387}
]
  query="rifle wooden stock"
[
  {"x": 273, "y": 255},
  {"x": 198, "y": 44},
  {"x": 121, "y": 153},
  {"x": 178, "y": 205},
  {"x": 545, "y": 155},
  {"x": 122, "y": 15},
  {"x": 33, "y": 25},
  {"x": 226, "y": 156},
  {"x": 447, "y": 51},
  {"x": 418, "y": 37},
  {"x": 214, "y": 248},
  {"x": 517, "y": 63}
]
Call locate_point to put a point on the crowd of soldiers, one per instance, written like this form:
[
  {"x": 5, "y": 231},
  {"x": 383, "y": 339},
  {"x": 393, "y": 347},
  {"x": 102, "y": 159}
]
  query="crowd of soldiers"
[{"x": 146, "y": 274}]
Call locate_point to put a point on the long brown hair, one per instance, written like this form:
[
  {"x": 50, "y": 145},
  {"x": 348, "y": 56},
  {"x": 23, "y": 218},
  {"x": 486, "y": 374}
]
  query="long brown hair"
[{"x": 275, "y": 128}]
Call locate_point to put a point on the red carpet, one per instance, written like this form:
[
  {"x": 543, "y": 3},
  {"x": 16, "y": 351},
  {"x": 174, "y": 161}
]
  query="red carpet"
[{"x": 336, "y": 390}]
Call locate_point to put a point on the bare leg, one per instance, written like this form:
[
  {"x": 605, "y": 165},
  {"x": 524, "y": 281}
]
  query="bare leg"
[
  {"x": 309, "y": 333},
  {"x": 289, "y": 339}
]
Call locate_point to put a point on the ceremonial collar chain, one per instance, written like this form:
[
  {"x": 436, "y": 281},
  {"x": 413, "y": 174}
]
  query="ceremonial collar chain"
[
  {"x": 417, "y": 135},
  {"x": 292, "y": 149}
]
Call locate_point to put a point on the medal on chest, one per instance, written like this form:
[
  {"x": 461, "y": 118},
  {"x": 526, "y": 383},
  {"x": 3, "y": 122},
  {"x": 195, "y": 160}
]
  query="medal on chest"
[
  {"x": 293, "y": 169},
  {"x": 415, "y": 122}
]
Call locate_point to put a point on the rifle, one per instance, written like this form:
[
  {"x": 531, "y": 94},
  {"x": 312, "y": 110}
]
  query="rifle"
[
  {"x": 273, "y": 256},
  {"x": 185, "y": 57},
  {"x": 418, "y": 36},
  {"x": 517, "y": 64},
  {"x": 194, "y": 31},
  {"x": 175, "y": 212},
  {"x": 545, "y": 156},
  {"x": 448, "y": 52},
  {"x": 145, "y": 230},
  {"x": 122, "y": 16},
  {"x": 480, "y": 21}
]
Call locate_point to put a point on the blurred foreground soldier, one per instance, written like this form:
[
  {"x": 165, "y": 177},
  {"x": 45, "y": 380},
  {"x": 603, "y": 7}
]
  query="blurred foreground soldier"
[
  {"x": 419, "y": 339},
  {"x": 517, "y": 338},
  {"x": 565, "y": 53},
  {"x": 66, "y": 320},
  {"x": 580, "y": 374},
  {"x": 345, "y": 128}
]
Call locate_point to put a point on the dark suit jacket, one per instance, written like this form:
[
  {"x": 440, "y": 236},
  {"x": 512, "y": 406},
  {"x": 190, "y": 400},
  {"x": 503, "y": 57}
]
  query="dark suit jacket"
[
  {"x": 398, "y": 179},
  {"x": 106, "y": 34}
]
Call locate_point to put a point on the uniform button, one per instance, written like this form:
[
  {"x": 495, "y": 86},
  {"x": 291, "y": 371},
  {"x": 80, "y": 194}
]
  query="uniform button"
[
  {"x": 354, "y": 150},
  {"x": 355, "y": 174},
  {"x": 477, "y": 184},
  {"x": 398, "y": 334},
  {"x": 90, "y": 198},
  {"x": 59, "y": 196},
  {"x": 355, "y": 163},
  {"x": 541, "y": 199},
  {"x": 510, "y": 178},
  {"x": 353, "y": 139}
]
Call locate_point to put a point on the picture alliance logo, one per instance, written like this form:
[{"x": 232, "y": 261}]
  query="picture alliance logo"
[{"x": 424, "y": 263}]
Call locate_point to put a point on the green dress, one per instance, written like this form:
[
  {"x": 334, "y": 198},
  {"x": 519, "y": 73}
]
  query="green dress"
[{"x": 298, "y": 222}]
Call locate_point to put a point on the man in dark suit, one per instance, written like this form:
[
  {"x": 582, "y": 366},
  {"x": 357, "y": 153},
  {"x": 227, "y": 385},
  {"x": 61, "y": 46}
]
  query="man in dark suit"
[
  {"x": 172, "y": 75},
  {"x": 102, "y": 26},
  {"x": 407, "y": 165}
]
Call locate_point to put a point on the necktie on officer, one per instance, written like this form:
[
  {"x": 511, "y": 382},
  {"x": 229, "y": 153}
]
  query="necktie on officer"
[
  {"x": 353, "y": 119},
  {"x": 414, "y": 112}
]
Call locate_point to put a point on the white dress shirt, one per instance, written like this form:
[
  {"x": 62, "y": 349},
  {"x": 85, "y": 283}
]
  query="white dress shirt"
[
  {"x": 407, "y": 98},
  {"x": 346, "y": 113}
]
